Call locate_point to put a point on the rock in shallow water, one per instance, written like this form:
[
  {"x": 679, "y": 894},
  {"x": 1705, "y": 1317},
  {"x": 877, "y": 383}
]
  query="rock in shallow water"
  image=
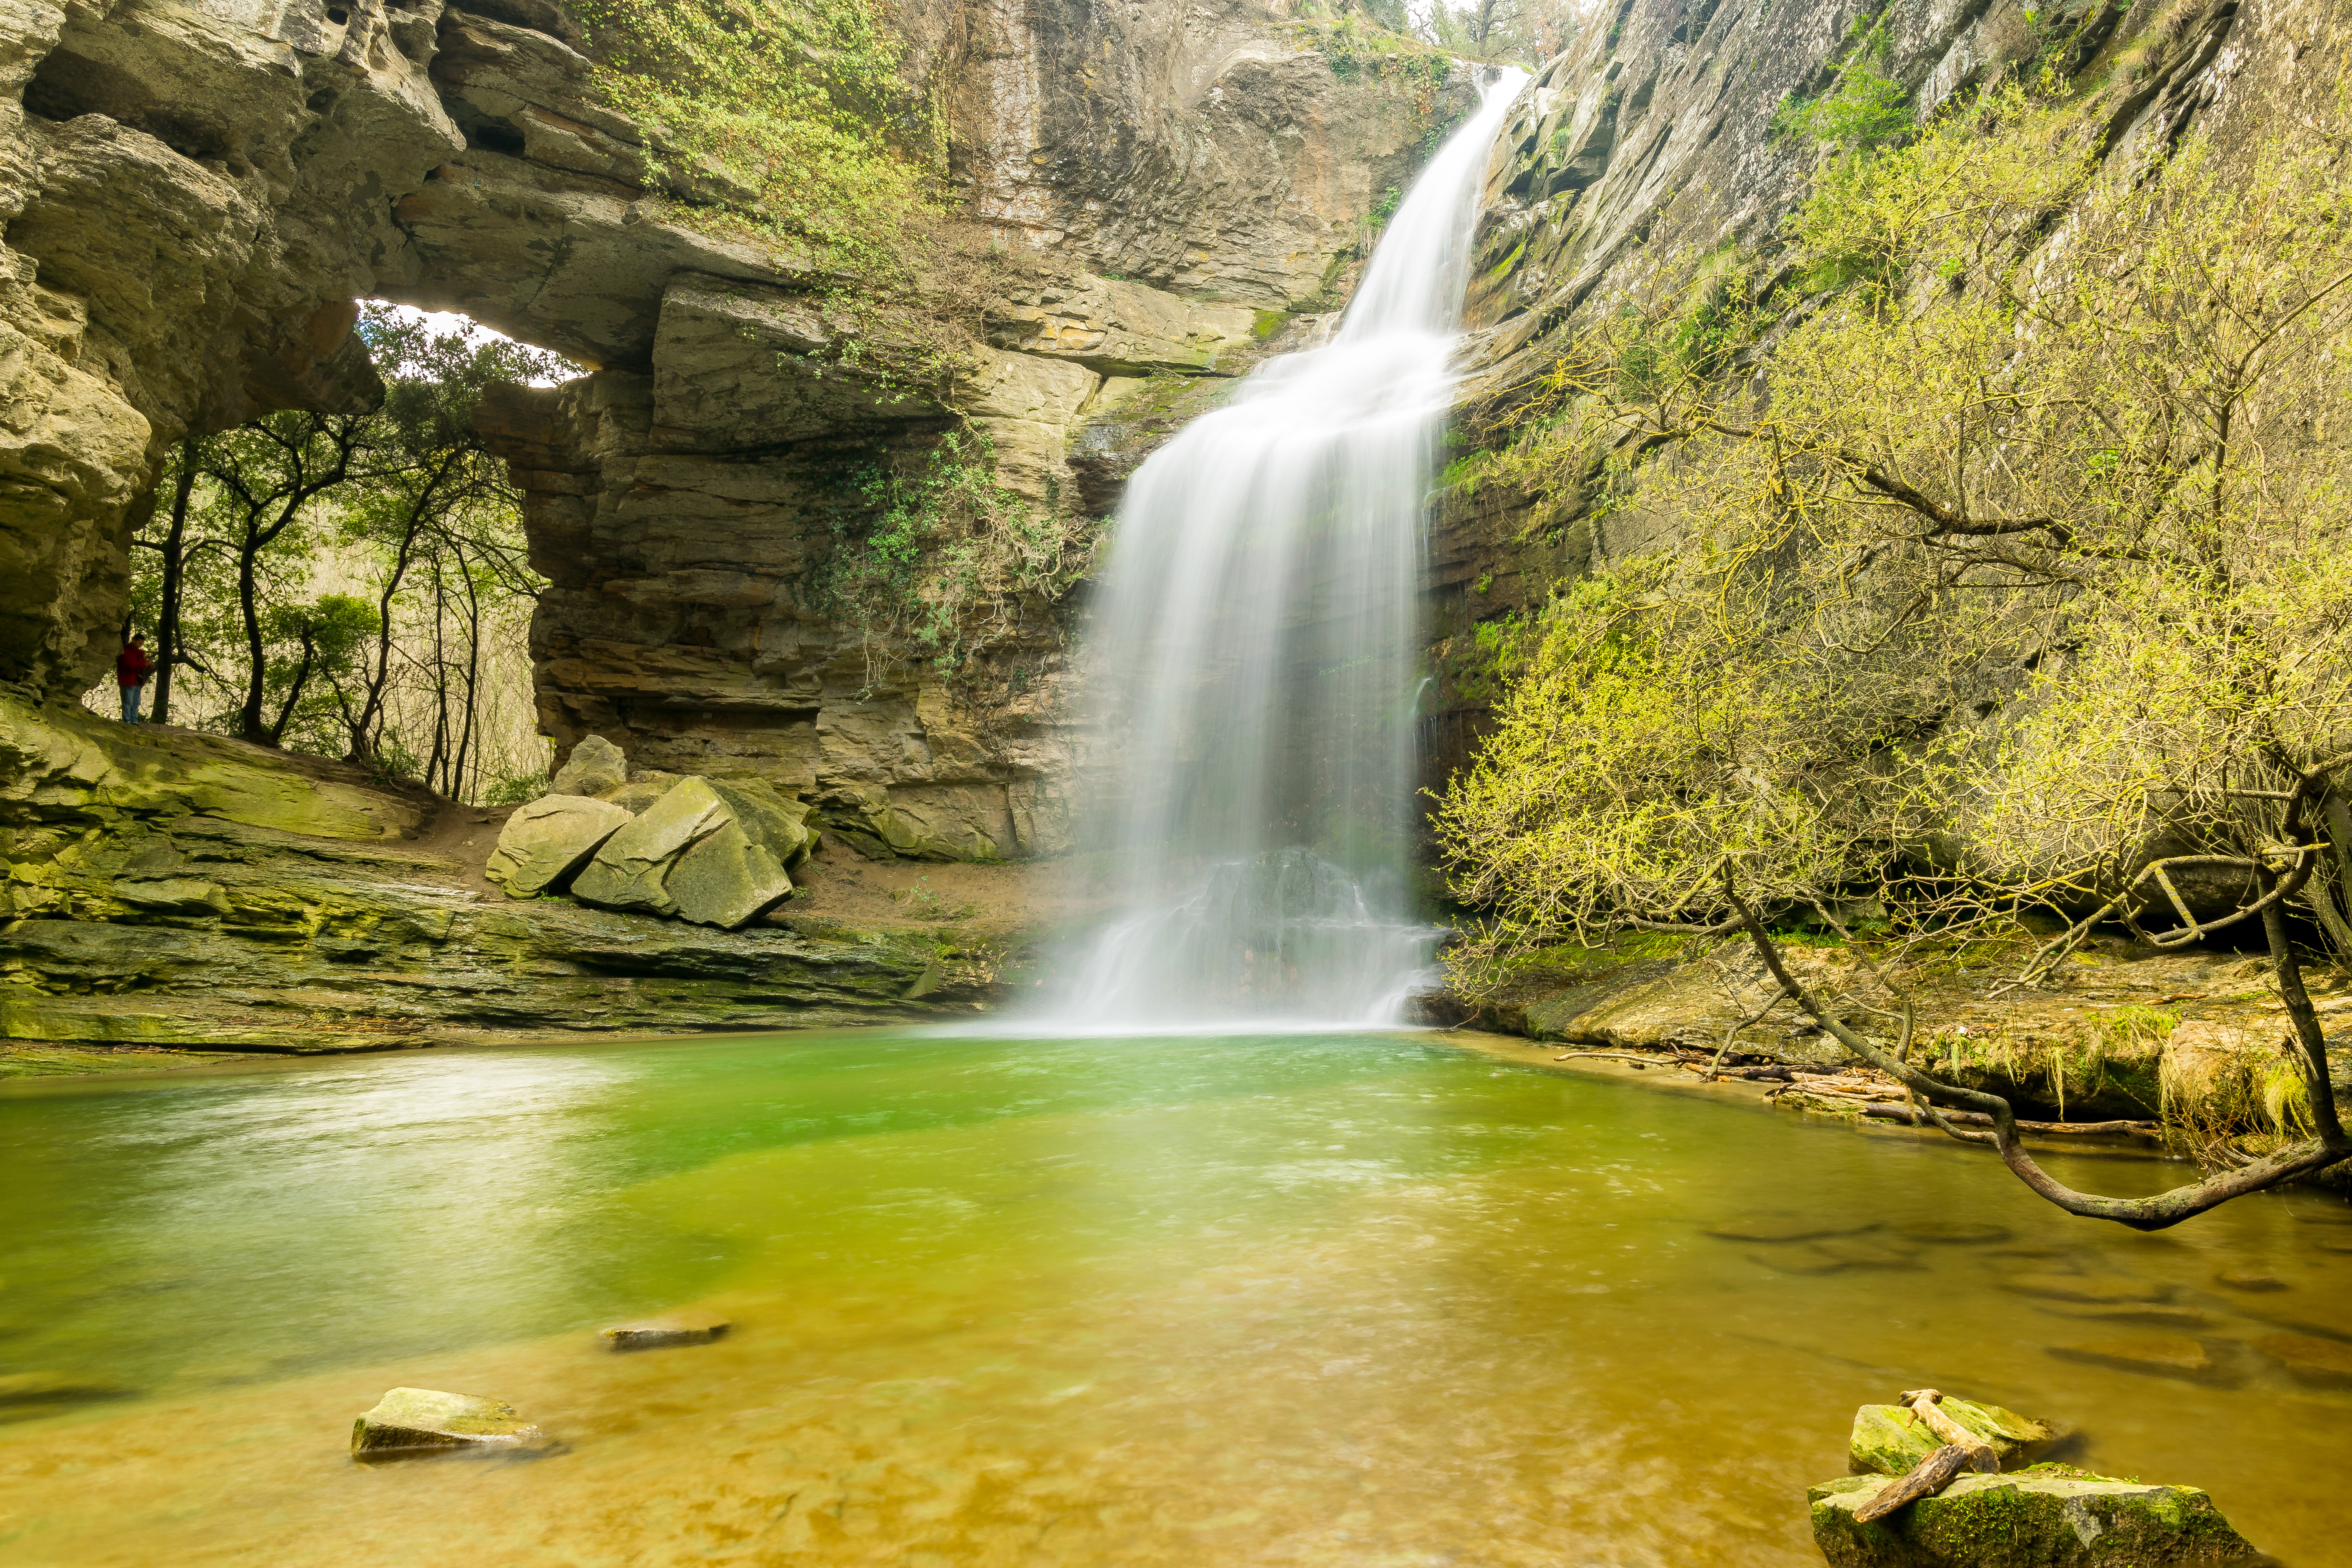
[
  {"x": 669, "y": 1329},
  {"x": 2159, "y": 1355},
  {"x": 412, "y": 1422},
  {"x": 2050, "y": 1516},
  {"x": 2325, "y": 1363},
  {"x": 1888, "y": 1440}
]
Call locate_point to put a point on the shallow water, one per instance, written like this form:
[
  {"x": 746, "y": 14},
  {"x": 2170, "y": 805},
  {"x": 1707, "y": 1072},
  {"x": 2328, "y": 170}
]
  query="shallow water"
[{"x": 1363, "y": 1299}]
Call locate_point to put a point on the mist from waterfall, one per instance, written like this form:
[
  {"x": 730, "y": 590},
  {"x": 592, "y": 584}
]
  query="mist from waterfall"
[{"x": 1251, "y": 661}]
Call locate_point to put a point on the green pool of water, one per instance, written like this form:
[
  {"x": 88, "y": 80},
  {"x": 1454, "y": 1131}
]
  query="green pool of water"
[{"x": 1361, "y": 1299}]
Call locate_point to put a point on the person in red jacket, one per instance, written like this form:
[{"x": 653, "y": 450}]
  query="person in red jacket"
[{"x": 132, "y": 671}]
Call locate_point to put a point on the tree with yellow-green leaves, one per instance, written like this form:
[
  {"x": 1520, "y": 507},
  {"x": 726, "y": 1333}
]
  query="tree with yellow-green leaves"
[{"x": 2011, "y": 572}]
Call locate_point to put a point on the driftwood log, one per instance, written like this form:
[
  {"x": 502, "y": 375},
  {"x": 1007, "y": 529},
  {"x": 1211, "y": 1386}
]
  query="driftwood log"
[
  {"x": 1928, "y": 1477},
  {"x": 1916, "y": 1117},
  {"x": 1922, "y": 1403}
]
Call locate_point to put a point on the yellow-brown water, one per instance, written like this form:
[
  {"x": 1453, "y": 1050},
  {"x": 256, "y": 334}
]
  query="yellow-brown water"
[{"x": 1368, "y": 1299}]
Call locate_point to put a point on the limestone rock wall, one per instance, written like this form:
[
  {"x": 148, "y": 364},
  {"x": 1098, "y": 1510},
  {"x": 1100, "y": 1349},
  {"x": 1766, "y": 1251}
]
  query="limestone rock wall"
[
  {"x": 1650, "y": 142},
  {"x": 195, "y": 191}
]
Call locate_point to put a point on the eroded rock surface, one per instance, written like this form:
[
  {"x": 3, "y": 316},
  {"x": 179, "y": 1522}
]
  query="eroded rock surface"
[{"x": 419, "y": 1423}]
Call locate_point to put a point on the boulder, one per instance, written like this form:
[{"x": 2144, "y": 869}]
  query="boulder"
[
  {"x": 687, "y": 1328},
  {"x": 632, "y": 871},
  {"x": 545, "y": 843},
  {"x": 726, "y": 880},
  {"x": 643, "y": 789},
  {"x": 770, "y": 818},
  {"x": 711, "y": 851},
  {"x": 594, "y": 766},
  {"x": 412, "y": 1423},
  {"x": 1888, "y": 1440},
  {"x": 2048, "y": 1516}
]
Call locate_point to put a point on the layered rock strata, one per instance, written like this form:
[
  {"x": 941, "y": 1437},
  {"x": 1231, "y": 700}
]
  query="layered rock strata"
[{"x": 195, "y": 193}]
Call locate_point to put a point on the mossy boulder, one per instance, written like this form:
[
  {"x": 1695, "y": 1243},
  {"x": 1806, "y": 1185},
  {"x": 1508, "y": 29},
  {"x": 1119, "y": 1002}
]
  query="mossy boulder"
[
  {"x": 631, "y": 872},
  {"x": 2047, "y": 1516},
  {"x": 1888, "y": 1440},
  {"x": 546, "y": 843},
  {"x": 594, "y": 766},
  {"x": 726, "y": 880},
  {"x": 414, "y": 1423}
]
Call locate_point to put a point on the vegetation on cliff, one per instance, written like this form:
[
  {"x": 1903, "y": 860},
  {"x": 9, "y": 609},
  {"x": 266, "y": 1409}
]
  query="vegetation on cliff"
[{"x": 2010, "y": 570}]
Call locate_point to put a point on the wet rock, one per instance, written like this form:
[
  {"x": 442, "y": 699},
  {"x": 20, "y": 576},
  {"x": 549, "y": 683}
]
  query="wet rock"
[
  {"x": 1954, "y": 1231},
  {"x": 594, "y": 766},
  {"x": 1888, "y": 1440},
  {"x": 2249, "y": 1280},
  {"x": 2156, "y": 1356},
  {"x": 2338, "y": 1244},
  {"x": 2048, "y": 1516},
  {"x": 690, "y": 1328},
  {"x": 2093, "y": 1290},
  {"x": 414, "y": 1423},
  {"x": 1788, "y": 1227},
  {"x": 1865, "y": 1252},
  {"x": 2325, "y": 1363},
  {"x": 726, "y": 880},
  {"x": 545, "y": 843}
]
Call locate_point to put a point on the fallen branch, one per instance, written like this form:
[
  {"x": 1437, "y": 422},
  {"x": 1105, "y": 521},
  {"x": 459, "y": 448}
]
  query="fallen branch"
[
  {"x": 1914, "y": 1116},
  {"x": 1928, "y": 1477},
  {"x": 1923, "y": 1401},
  {"x": 1623, "y": 1056}
]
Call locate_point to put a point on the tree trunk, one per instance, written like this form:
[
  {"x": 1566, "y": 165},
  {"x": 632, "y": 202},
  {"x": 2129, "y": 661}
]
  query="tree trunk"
[{"x": 167, "y": 616}]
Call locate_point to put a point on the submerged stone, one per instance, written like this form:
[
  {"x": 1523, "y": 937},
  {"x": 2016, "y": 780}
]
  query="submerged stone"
[
  {"x": 1954, "y": 1231},
  {"x": 2326, "y": 1363},
  {"x": 690, "y": 1328},
  {"x": 20, "y": 1388},
  {"x": 2048, "y": 1516},
  {"x": 2249, "y": 1280},
  {"x": 1788, "y": 1227},
  {"x": 2157, "y": 1356},
  {"x": 412, "y": 1422},
  {"x": 2159, "y": 1313},
  {"x": 1888, "y": 1440},
  {"x": 2095, "y": 1289},
  {"x": 547, "y": 842}
]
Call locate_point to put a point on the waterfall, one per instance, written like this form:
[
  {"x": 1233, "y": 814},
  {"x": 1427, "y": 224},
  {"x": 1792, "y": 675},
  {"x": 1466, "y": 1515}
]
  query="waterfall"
[{"x": 1251, "y": 659}]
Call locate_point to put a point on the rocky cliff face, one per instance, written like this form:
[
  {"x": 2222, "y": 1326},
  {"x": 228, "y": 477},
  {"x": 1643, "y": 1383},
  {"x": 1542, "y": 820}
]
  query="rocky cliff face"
[
  {"x": 195, "y": 193},
  {"x": 1649, "y": 145}
]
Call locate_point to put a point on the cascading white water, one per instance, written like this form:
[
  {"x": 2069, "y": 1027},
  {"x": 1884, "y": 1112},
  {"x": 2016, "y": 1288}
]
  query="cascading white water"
[{"x": 1251, "y": 660}]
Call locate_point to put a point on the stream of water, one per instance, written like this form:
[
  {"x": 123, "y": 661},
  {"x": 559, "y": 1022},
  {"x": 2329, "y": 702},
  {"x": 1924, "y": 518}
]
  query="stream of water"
[
  {"x": 1258, "y": 1300},
  {"x": 1252, "y": 661}
]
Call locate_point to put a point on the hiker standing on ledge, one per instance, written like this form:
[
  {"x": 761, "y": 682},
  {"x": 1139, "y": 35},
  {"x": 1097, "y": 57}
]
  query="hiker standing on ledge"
[{"x": 133, "y": 670}]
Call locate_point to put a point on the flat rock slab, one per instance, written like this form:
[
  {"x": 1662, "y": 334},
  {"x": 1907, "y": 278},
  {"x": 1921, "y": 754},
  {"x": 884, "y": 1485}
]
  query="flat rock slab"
[
  {"x": 2095, "y": 1289},
  {"x": 670, "y": 1328},
  {"x": 2326, "y": 1363},
  {"x": 1888, "y": 1440},
  {"x": 2050, "y": 1516},
  {"x": 2157, "y": 1356},
  {"x": 414, "y": 1423}
]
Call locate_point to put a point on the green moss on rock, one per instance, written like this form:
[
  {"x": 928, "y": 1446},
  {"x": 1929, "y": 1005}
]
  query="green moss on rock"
[{"x": 2047, "y": 1516}]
